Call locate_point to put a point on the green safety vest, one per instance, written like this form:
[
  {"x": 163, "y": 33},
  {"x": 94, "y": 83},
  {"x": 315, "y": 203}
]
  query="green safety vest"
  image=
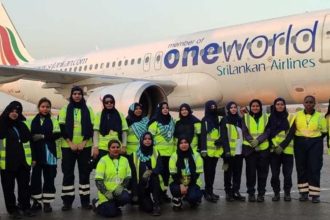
[
  {"x": 113, "y": 135},
  {"x": 256, "y": 129},
  {"x": 111, "y": 174},
  {"x": 280, "y": 137},
  {"x": 199, "y": 166},
  {"x": 161, "y": 145},
  {"x": 77, "y": 130},
  {"x": 233, "y": 136},
  {"x": 212, "y": 150},
  {"x": 314, "y": 127}
]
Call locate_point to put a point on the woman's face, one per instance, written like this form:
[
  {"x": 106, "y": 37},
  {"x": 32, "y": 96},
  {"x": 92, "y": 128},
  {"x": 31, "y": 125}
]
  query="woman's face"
[
  {"x": 13, "y": 115},
  {"x": 44, "y": 108},
  {"x": 184, "y": 112},
  {"x": 76, "y": 96},
  {"x": 109, "y": 103},
  {"x": 233, "y": 109},
  {"x": 114, "y": 150},
  {"x": 309, "y": 104},
  {"x": 184, "y": 145},
  {"x": 279, "y": 106},
  {"x": 138, "y": 111},
  {"x": 147, "y": 141},
  {"x": 255, "y": 108},
  {"x": 165, "y": 109}
]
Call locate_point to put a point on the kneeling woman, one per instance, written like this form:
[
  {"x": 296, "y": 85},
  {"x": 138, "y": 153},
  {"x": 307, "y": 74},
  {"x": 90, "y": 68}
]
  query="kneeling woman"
[
  {"x": 147, "y": 166},
  {"x": 185, "y": 169},
  {"x": 112, "y": 176}
]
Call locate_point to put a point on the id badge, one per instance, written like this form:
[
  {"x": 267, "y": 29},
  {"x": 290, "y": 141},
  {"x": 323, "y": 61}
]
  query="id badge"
[{"x": 118, "y": 180}]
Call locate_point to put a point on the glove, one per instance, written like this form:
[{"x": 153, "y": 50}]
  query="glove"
[
  {"x": 38, "y": 137},
  {"x": 109, "y": 195},
  {"x": 203, "y": 153},
  {"x": 119, "y": 189},
  {"x": 254, "y": 143},
  {"x": 146, "y": 175},
  {"x": 278, "y": 150}
]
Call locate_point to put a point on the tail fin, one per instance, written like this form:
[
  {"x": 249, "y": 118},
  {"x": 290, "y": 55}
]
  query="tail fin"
[{"x": 12, "y": 49}]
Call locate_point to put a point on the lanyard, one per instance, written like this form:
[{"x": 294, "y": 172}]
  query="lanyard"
[
  {"x": 308, "y": 121},
  {"x": 116, "y": 165},
  {"x": 17, "y": 133}
]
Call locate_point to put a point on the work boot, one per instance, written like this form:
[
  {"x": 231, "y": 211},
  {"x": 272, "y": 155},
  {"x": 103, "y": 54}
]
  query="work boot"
[
  {"x": 229, "y": 197},
  {"x": 287, "y": 197},
  {"x": 276, "y": 197},
  {"x": 260, "y": 198},
  {"x": 237, "y": 196},
  {"x": 209, "y": 197},
  {"x": 177, "y": 204},
  {"x": 47, "y": 208},
  {"x": 215, "y": 196},
  {"x": 252, "y": 198},
  {"x": 36, "y": 206},
  {"x": 315, "y": 199},
  {"x": 28, "y": 213},
  {"x": 156, "y": 210},
  {"x": 66, "y": 207},
  {"x": 15, "y": 215},
  {"x": 303, "y": 197}
]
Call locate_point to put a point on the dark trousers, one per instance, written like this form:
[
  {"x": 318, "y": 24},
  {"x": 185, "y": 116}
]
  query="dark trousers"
[
  {"x": 68, "y": 165},
  {"x": 22, "y": 177},
  {"x": 43, "y": 193},
  {"x": 111, "y": 208},
  {"x": 193, "y": 196},
  {"x": 257, "y": 166},
  {"x": 210, "y": 165},
  {"x": 286, "y": 161},
  {"x": 309, "y": 161},
  {"x": 149, "y": 189},
  {"x": 232, "y": 177},
  {"x": 165, "y": 173}
]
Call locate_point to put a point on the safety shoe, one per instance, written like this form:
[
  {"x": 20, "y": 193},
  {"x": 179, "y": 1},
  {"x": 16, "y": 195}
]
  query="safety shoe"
[
  {"x": 28, "y": 213},
  {"x": 237, "y": 196},
  {"x": 229, "y": 197},
  {"x": 287, "y": 197},
  {"x": 47, "y": 208},
  {"x": 276, "y": 197},
  {"x": 208, "y": 197},
  {"x": 66, "y": 207},
  {"x": 252, "y": 198},
  {"x": 215, "y": 196},
  {"x": 315, "y": 199},
  {"x": 156, "y": 210},
  {"x": 260, "y": 198},
  {"x": 86, "y": 206},
  {"x": 303, "y": 197},
  {"x": 36, "y": 206},
  {"x": 15, "y": 215}
]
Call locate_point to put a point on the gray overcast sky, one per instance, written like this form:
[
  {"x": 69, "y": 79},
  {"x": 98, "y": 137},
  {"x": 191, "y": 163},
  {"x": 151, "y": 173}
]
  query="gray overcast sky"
[{"x": 54, "y": 28}]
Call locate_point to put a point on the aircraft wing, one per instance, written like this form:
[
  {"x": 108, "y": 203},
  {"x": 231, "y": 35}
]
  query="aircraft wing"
[{"x": 56, "y": 79}]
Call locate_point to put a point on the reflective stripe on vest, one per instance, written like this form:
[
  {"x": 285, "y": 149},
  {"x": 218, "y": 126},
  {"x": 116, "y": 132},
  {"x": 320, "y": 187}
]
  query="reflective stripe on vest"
[
  {"x": 212, "y": 150},
  {"x": 232, "y": 138},
  {"x": 255, "y": 130}
]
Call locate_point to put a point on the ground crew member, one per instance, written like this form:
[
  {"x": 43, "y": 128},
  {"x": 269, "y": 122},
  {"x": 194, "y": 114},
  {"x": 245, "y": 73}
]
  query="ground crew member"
[
  {"x": 15, "y": 159},
  {"x": 188, "y": 126},
  {"x": 162, "y": 126},
  {"x": 45, "y": 130},
  {"x": 232, "y": 139},
  {"x": 112, "y": 176},
  {"x": 147, "y": 166},
  {"x": 75, "y": 121},
  {"x": 186, "y": 166},
  {"x": 255, "y": 150},
  {"x": 281, "y": 139},
  {"x": 210, "y": 132}
]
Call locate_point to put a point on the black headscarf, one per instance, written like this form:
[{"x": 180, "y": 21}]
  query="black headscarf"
[
  {"x": 278, "y": 120},
  {"x": 131, "y": 117},
  {"x": 45, "y": 128},
  {"x": 159, "y": 117},
  {"x": 185, "y": 126},
  {"x": 233, "y": 119},
  {"x": 6, "y": 122},
  {"x": 211, "y": 116},
  {"x": 328, "y": 112},
  {"x": 259, "y": 114},
  {"x": 110, "y": 119},
  {"x": 147, "y": 150},
  {"x": 86, "y": 124},
  {"x": 189, "y": 154}
]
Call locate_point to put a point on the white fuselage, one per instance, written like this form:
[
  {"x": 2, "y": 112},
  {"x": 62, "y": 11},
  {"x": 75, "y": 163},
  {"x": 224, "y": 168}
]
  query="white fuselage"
[{"x": 287, "y": 57}]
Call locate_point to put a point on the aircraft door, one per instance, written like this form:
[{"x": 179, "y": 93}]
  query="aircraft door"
[
  {"x": 326, "y": 40},
  {"x": 146, "y": 62},
  {"x": 158, "y": 60}
]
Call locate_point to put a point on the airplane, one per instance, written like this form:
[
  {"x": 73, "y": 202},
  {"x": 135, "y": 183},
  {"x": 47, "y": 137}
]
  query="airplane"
[{"x": 285, "y": 57}]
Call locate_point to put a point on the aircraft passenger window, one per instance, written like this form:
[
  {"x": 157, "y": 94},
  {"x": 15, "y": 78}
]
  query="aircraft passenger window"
[
  {"x": 75, "y": 69},
  {"x": 91, "y": 67},
  {"x": 85, "y": 67},
  {"x": 158, "y": 58},
  {"x": 306, "y": 37},
  {"x": 80, "y": 68},
  {"x": 126, "y": 62},
  {"x": 271, "y": 42},
  {"x": 239, "y": 47},
  {"x": 132, "y": 61},
  {"x": 113, "y": 64},
  {"x": 201, "y": 52},
  {"x": 282, "y": 40},
  {"x": 70, "y": 69},
  {"x": 119, "y": 63},
  {"x": 60, "y": 69},
  {"x": 259, "y": 44},
  {"x": 65, "y": 69},
  {"x": 101, "y": 67},
  {"x": 248, "y": 46},
  {"x": 139, "y": 61},
  {"x": 293, "y": 39},
  {"x": 96, "y": 66},
  {"x": 146, "y": 60},
  {"x": 108, "y": 64}
]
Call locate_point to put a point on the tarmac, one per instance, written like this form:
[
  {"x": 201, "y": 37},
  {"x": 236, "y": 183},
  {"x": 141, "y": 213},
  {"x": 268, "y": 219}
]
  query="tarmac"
[{"x": 207, "y": 211}]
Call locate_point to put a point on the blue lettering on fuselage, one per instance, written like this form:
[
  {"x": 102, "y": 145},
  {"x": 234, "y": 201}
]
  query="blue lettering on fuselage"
[{"x": 257, "y": 48}]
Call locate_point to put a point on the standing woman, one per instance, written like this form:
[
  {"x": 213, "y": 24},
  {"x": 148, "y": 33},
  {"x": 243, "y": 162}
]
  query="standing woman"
[
  {"x": 137, "y": 126},
  {"x": 109, "y": 125},
  {"x": 308, "y": 149},
  {"x": 75, "y": 121},
  {"x": 281, "y": 137},
  {"x": 15, "y": 159},
  {"x": 162, "y": 128},
  {"x": 147, "y": 166},
  {"x": 45, "y": 131},
  {"x": 186, "y": 166},
  {"x": 210, "y": 132},
  {"x": 327, "y": 118},
  {"x": 255, "y": 150},
  {"x": 188, "y": 126},
  {"x": 232, "y": 139}
]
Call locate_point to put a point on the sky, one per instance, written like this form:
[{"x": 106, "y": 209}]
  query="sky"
[{"x": 53, "y": 28}]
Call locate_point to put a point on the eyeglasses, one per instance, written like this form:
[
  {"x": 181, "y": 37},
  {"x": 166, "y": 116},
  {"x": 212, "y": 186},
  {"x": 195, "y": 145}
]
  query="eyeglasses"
[{"x": 109, "y": 102}]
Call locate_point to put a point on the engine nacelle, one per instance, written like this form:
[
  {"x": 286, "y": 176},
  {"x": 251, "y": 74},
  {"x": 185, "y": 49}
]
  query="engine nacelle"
[{"x": 146, "y": 93}]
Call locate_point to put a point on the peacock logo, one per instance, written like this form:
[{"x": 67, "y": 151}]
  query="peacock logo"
[{"x": 9, "y": 51}]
